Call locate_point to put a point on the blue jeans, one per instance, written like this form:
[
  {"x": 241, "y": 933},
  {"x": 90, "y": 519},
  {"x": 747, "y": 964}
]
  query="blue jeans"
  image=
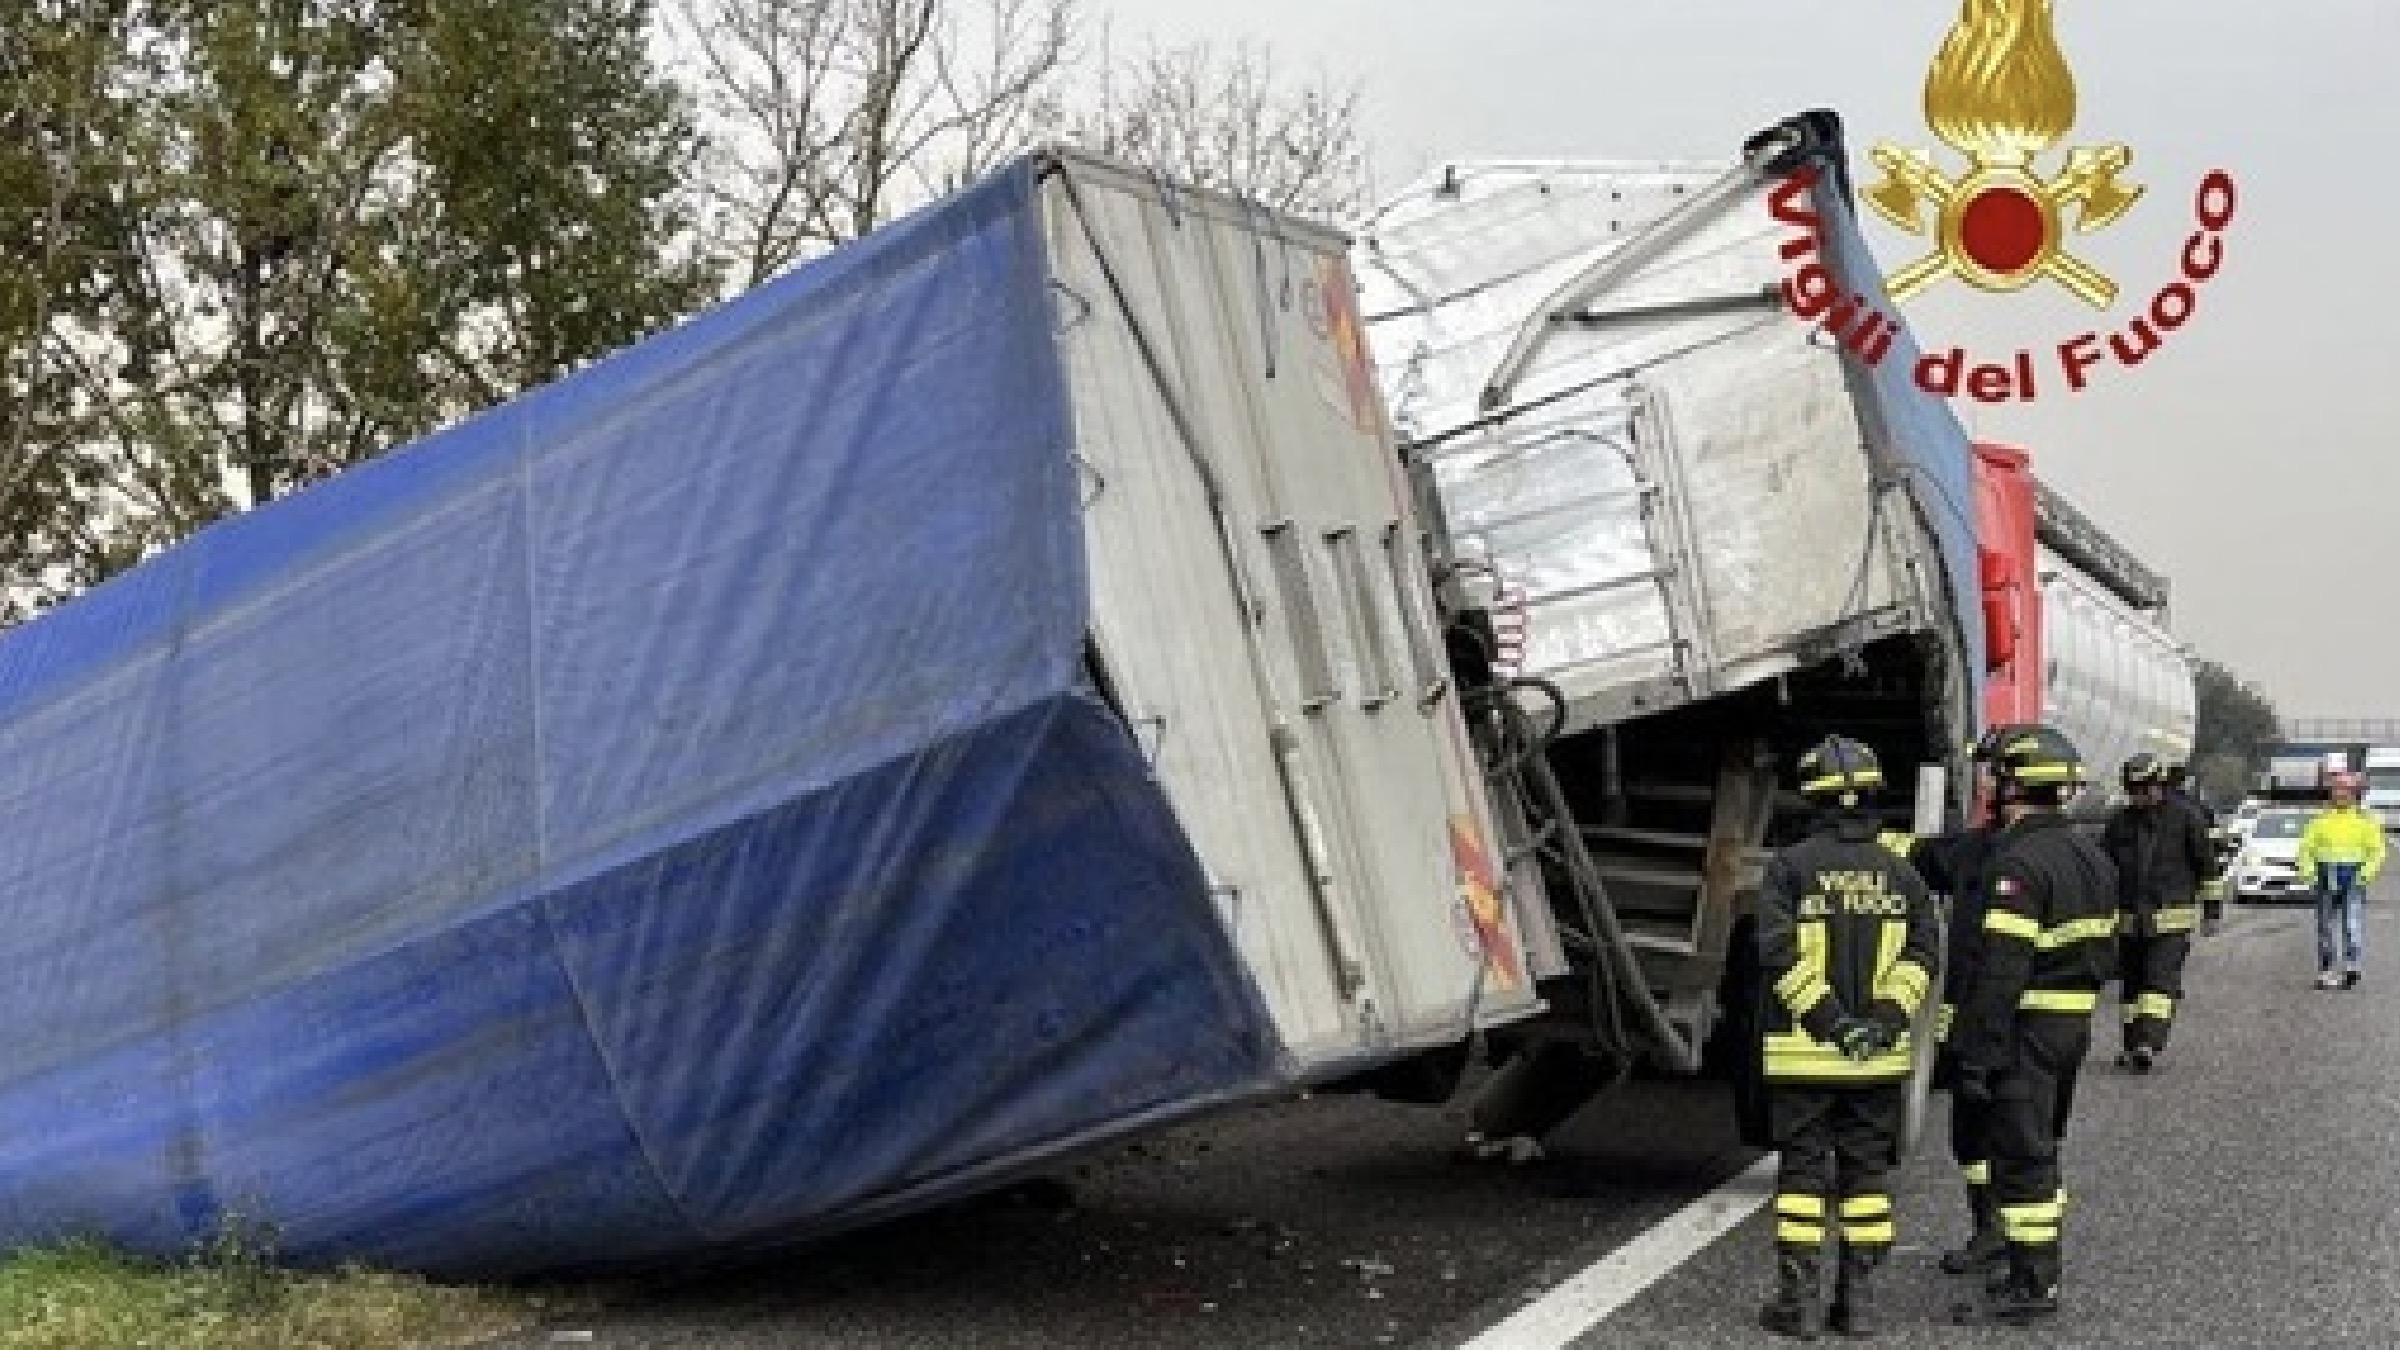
[{"x": 2341, "y": 914}]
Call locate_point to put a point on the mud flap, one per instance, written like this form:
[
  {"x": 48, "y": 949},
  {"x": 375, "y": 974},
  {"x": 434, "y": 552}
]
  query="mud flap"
[{"x": 1916, "y": 1108}]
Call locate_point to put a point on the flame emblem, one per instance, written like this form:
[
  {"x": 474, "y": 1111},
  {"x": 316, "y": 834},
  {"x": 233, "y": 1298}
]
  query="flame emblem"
[{"x": 2000, "y": 93}]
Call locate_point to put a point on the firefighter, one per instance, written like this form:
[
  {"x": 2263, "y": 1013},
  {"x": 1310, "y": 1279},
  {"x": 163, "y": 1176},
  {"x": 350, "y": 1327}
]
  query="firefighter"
[
  {"x": 2163, "y": 857},
  {"x": 1846, "y": 944},
  {"x": 2025, "y": 1015},
  {"x": 2341, "y": 852},
  {"x": 2222, "y": 846},
  {"x": 1954, "y": 865}
]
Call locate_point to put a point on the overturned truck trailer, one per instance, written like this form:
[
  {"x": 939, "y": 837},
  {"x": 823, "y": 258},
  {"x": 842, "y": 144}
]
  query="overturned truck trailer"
[
  {"x": 970, "y": 698},
  {"x": 1700, "y": 535}
]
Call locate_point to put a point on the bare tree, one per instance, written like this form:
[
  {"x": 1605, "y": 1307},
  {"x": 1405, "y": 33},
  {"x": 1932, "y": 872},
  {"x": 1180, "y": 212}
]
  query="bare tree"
[
  {"x": 1226, "y": 118},
  {"x": 832, "y": 116}
]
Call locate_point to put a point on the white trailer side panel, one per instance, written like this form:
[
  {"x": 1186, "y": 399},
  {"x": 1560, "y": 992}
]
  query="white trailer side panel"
[
  {"x": 1261, "y": 612},
  {"x": 1680, "y": 497}
]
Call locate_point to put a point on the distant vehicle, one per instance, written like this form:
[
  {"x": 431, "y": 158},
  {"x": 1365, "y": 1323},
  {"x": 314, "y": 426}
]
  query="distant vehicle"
[
  {"x": 2300, "y": 769},
  {"x": 2267, "y": 868},
  {"x": 2383, "y": 784},
  {"x": 2243, "y": 817}
]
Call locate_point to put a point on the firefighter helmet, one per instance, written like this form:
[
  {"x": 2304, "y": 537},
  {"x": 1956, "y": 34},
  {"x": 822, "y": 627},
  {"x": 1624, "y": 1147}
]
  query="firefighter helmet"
[
  {"x": 2143, "y": 770},
  {"x": 1839, "y": 768},
  {"x": 1987, "y": 747},
  {"x": 2040, "y": 758}
]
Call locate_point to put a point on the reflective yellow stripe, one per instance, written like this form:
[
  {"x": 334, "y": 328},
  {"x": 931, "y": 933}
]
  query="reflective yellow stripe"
[
  {"x": 1978, "y": 1174},
  {"x": 1898, "y": 842},
  {"x": 1888, "y": 936},
  {"x": 1907, "y": 985},
  {"x": 2049, "y": 1211},
  {"x": 2178, "y": 919},
  {"x": 1862, "y": 778},
  {"x": 1903, "y": 982},
  {"x": 1794, "y": 983},
  {"x": 1799, "y": 1218},
  {"x": 2059, "y": 1000},
  {"x": 2033, "y": 1225},
  {"x": 2039, "y": 1211},
  {"x": 1880, "y": 1233},
  {"x": 2007, "y": 924},
  {"x": 1796, "y": 1054},
  {"x": 2081, "y": 930},
  {"x": 1805, "y": 986},
  {"x": 1867, "y": 1207},
  {"x": 2160, "y": 1006},
  {"x": 1942, "y": 1021}
]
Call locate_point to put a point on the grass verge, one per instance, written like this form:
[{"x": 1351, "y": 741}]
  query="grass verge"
[{"x": 86, "y": 1296}]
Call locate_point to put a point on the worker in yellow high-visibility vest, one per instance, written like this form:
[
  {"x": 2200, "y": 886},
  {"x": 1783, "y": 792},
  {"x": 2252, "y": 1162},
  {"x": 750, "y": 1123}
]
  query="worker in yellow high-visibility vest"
[{"x": 2341, "y": 852}]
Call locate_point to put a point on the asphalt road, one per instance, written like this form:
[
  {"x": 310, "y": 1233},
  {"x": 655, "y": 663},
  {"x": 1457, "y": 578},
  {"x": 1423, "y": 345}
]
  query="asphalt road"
[
  {"x": 2245, "y": 1194},
  {"x": 2248, "y": 1193}
]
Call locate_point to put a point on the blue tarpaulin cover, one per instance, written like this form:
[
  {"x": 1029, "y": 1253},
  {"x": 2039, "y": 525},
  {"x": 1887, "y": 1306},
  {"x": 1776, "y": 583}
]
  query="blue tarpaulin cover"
[
  {"x": 1927, "y": 442},
  {"x": 667, "y": 811}
]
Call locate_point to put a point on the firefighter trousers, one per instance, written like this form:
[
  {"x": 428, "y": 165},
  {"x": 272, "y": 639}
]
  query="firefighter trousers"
[
  {"x": 2032, "y": 1098},
  {"x": 2150, "y": 985},
  {"x": 1971, "y": 1139},
  {"x": 1838, "y": 1144}
]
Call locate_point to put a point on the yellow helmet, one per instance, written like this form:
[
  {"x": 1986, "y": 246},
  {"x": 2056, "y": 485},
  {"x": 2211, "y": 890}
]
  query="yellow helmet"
[{"x": 2038, "y": 756}]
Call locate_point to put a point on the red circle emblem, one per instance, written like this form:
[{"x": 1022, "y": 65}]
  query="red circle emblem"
[{"x": 2003, "y": 230}]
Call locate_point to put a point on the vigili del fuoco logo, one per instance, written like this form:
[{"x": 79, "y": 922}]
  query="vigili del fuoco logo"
[{"x": 2001, "y": 95}]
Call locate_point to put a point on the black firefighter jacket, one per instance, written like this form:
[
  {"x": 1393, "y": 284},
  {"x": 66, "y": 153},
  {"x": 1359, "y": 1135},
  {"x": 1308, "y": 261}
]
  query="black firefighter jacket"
[
  {"x": 1956, "y": 865},
  {"x": 1844, "y": 923},
  {"x": 2049, "y": 937},
  {"x": 2163, "y": 856}
]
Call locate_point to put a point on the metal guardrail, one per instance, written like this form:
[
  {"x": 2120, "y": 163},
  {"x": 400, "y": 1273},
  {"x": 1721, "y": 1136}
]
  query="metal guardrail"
[{"x": 2371, "y": 730}]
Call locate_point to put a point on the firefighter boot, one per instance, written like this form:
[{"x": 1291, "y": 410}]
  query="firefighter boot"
[
  {"x": 2031, "y": 1290},
  {"x": 1794, "y": 1310},
  {"x": 1854, "y": 1292},
  {"x": 1987, "y": 1244}
]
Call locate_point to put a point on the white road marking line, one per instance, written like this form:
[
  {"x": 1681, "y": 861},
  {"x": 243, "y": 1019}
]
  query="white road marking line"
[{"x": 1587, "y": 1298}]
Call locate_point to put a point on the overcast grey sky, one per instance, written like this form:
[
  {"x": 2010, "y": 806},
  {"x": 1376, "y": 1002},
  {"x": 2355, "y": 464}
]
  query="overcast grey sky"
[{"x": 2251, "y": 459}]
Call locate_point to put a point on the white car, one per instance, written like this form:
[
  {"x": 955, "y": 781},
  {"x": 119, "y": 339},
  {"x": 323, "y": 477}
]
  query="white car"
[{"x": 2266, "y": 867}]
